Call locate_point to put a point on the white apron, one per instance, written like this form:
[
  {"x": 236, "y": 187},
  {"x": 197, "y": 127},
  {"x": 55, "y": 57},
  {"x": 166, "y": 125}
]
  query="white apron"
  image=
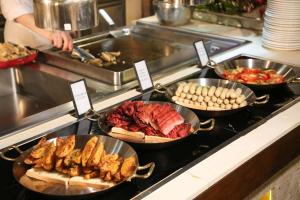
[{"x": 19, "y": 34}]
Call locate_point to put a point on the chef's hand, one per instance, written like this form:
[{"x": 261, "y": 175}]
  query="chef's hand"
[{"x": 61, "y": 40}]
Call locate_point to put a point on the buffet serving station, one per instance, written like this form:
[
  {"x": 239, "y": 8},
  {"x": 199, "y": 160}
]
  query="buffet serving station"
[{"x": 40, "y": 102}]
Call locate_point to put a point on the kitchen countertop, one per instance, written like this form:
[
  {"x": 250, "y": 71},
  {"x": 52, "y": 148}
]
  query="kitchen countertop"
[
  {"x": 200, "y": 177},
  {"x": 255, "y": 48}
]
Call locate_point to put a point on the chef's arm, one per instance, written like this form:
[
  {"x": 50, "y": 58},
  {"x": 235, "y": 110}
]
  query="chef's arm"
[{"x": 59, "y": 39}]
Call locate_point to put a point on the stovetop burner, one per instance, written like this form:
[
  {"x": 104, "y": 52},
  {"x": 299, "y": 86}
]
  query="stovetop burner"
[{"x": 172, "y": 161}]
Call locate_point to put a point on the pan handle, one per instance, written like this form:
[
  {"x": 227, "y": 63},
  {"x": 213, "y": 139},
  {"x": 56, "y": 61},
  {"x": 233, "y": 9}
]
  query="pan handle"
[
  {"x": 92, "y": 115},
  {"x": 262, "y": 99},
  {"x": 162, "y": 89},
  {"x": 210, "y": 121},
  {"x": 211, "y": 64},
  {"x": 151, "y": 167},
  {"x": 2, "y": 153},
  {"x": 295, "y": 80}
]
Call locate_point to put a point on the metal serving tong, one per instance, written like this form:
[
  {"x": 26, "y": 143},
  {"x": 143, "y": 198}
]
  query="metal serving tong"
[{"x": 82, "y": 54}]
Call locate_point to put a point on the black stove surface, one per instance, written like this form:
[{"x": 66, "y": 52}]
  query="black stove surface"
[{"x": 174, "y": 159}]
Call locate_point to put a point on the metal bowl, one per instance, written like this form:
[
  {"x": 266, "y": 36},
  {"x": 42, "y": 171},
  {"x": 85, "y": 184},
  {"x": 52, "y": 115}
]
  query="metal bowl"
[
  {"x": 188, "y": 115},
  {"x": 172, "y": 14},
  {"x": 249, "y": 94},
  {"x": 111, "y": 145},
  {"x": 286, "y": 71},
  {"x": 65, "y": 15}
]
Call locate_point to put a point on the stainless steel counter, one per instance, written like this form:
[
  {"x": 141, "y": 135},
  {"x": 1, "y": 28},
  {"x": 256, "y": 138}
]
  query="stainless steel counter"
[
  {"x": 39, "y": 92},
  {"x": 163, "y": 49}
]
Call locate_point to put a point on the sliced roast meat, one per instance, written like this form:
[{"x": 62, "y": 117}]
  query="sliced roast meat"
[
  {"x": 181, "y": 131},
  {"x": 145, "y": 112},
  {"x": 152, "y": 119},
  {"x": 170, "y": 122},
  {"x": 161, "y": 111},
  {"x": 117, "y": 120}
]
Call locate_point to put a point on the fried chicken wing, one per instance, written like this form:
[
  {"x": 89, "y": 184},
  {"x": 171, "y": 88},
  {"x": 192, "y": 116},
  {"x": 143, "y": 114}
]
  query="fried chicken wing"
[
  {"x": 49, "y": 158},
  {"x": 76, "y": 156},
  {"x": 108, "y": 177},
  {"x": 90, "y": 162},
  {"x": 42, "y": 142},
  {"x": 102, "y": 174},
  {"x": 93, "y": 174},
  {"x": 59, "y": 164},
  {"x": 66, "y": 147},
  {"x": 87, "y": 170},
  {"x": 128, "y": 167},
  {"x": 111, "y": 163},
  {"x": 96, "y": 155},
  {"x": 38, "y": 163},
  {"x": 39, "y": 151},
  {"x": 67, "y": 161},
  {"x": 29, "y": 160},
  {"x": 88, "y": 149},
  {"x": 75, "y": 170},
  {"x": 59, "y": 141},
  {"x": 117, "y": 177}
]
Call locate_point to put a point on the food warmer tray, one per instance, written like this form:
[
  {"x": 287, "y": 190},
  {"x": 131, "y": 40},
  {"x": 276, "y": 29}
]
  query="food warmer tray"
[{"x": 162, "y": 48}]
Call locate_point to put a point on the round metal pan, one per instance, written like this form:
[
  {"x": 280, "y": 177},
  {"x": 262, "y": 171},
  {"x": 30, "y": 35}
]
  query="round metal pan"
[
  {"x": 249, "y": 94},
  {"x": 111, "y": 145},
  {"x": 188, "y": 115},
  {"x": 286, "y": 71}
]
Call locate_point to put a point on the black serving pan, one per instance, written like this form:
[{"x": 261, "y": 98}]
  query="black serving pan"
[
  {"x": 188, "y": 115},
  {"x": 249, "y": 94},
  {"x": 111, "y": 145}
]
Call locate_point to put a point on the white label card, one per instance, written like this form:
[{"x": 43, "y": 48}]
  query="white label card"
[
  {"x": 202, "y": 53},
  {"x": 143, "y": 75},
  {"x": 81, "y": 98},
  {"x": 68, "y": 27}
]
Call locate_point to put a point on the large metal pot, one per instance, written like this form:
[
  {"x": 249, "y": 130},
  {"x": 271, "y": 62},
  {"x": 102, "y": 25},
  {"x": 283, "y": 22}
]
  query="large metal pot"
[
  {"x": 67, "y": 15},
  {"x": 172, "y": 12}
]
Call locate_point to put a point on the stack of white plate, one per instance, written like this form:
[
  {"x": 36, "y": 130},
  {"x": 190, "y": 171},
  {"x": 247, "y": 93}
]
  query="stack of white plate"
[{"x": 282, "y": 25}]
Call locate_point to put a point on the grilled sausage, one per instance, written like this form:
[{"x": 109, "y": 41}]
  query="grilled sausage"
[
  {"x": 204, "y": 91},
  {"x": 228, "y": 94},
  {"x": 223, "y": 94},
  {"x": 186, "y": 88},
  {"x": 175, "y": 98},
  {"x": 206, "y": 99},
  {"x": 211, "y": 91},
  {"x": 240, "y": 99},
  {"x": 193, "y": 88},
  {"x": 200, "y": 99},
  {"x": 235, "y": 106},
  {"x": 228, "y": 107},
  {"x": 226, "y": 101},
  {"x": 194, "y": 98},
  {"x": 189, "y": 96},
  {"x": 218, "y": 91},
  {"x": 199, "y": 90},
  {"x": 214, "y": 99}
]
